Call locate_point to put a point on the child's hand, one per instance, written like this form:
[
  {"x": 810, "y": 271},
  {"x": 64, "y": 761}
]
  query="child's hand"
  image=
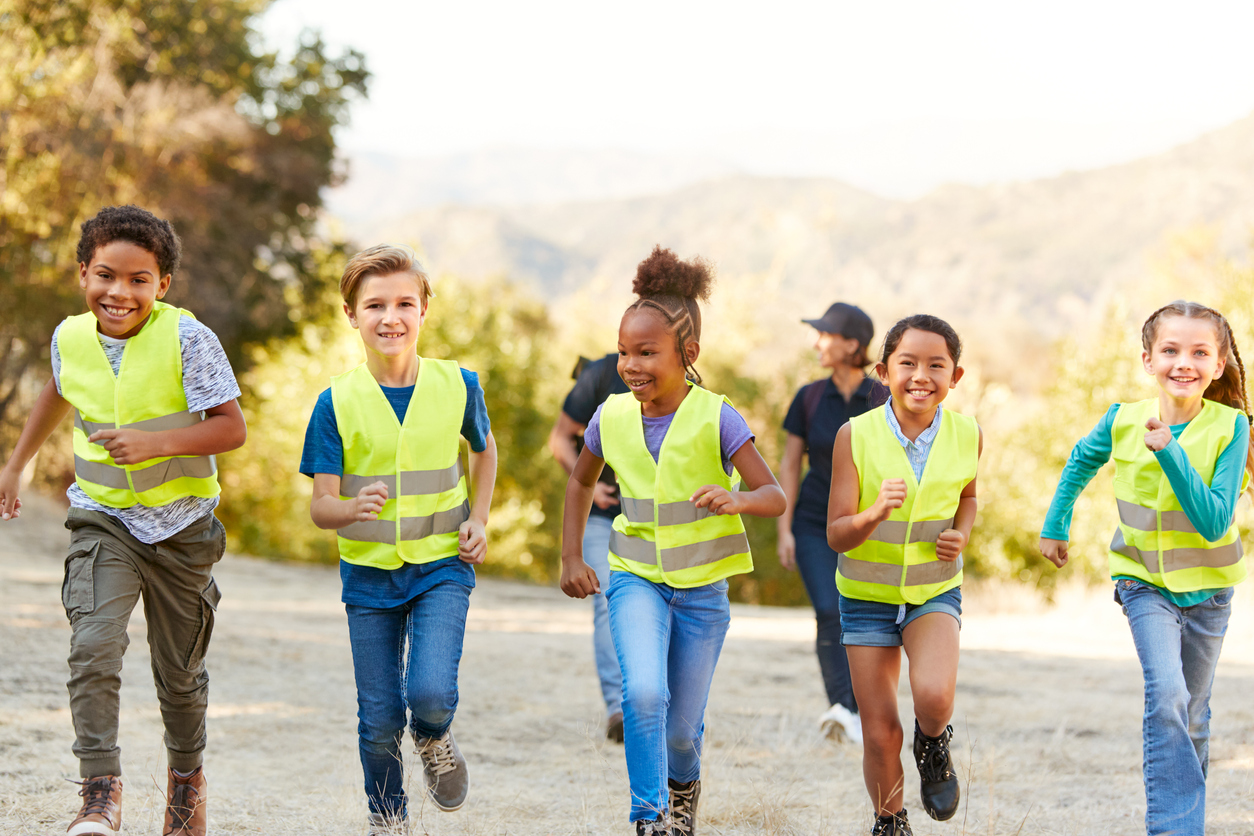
[
  {"x": 369, "y": 502},
  {"x": 1055, "y": 551},
  {"x": 10, "y": 505},
  {"x": 127, "y": 446},
  {"x": 603, "y": 495},
  {"x": 949, "y": 544},
  {"x": 578, "y": 579},
  {"x": 1159, "y": 435},
  {"x": 892, "y": 496},
  {"x": 472, "y": 542},
  {"x": 718, "y": 500}
]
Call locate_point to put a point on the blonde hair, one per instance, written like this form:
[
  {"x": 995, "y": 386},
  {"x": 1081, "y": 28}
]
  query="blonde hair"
[{"x": 383, "y": 260}]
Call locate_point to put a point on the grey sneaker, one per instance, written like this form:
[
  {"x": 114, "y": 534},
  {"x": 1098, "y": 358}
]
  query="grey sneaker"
[
  {"x": 683, "y": 802},
  {"x": 383, "y": 825},
  {"x": 444, "y": 769},
  {"x": 661, "y": 826}
]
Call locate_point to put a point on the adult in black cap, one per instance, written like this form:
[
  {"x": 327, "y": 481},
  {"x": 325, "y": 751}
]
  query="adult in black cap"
[{"x": 817, "y": 412}]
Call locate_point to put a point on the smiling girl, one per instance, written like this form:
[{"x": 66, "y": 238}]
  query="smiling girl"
[
  {"x": 900, "y": 512},
  {"x": 679, "y": 537},
  {"x": 1181, "y": 462}
]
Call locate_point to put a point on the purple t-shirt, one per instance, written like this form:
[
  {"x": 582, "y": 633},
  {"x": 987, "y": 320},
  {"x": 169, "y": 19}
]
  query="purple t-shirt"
[{"x": 732, "y": 429}]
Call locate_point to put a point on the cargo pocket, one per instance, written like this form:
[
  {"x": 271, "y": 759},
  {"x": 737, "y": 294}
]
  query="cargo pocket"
[
  {"x": 209, "y": 598},
  {"x": 78, "y": 590}
]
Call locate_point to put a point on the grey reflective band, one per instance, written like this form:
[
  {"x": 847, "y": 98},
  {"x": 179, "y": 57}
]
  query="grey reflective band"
[
  {"x": 412, "y": 528},
  {"x": 1146, "y": 519},
  {"x": 679, "y": 513},
  {"x": 679, "y": 557},
  {"x": 638, "y": 510},
  {"x": 893, "y": 532},
  {"x": 889, "y": 574},
  {"x": 1176, "y": 559},
  {"x": 413, "y": 482},
  {"x": 174, "y": 421},
  {"x": 145, "y": 479}
]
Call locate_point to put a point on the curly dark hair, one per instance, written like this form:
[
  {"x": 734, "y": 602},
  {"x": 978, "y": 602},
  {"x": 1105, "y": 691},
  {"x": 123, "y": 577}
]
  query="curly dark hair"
[
  {"x": 923, "y": 322},
  {"x": 672, "y": 288},
  {"x": 138, "y": 226}
]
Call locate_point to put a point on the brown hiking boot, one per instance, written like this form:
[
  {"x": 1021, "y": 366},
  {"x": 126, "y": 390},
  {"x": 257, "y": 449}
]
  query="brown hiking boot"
[
  {"x": 102, "y": 808},
  {"x": 185, "y": 812}
]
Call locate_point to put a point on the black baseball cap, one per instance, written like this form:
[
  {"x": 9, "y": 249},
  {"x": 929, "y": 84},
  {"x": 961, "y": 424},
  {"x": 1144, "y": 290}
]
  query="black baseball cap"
[{"x": 847, "y": 321}]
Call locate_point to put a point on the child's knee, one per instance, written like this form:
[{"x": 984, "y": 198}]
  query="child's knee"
[
  {"x": 883, "y": 734},
  {"x": 432, "y": 707},
  {"x": 933, "y": 702},
  {"x": 97, "y": 645},
  {"x": 645, "y": 701}
]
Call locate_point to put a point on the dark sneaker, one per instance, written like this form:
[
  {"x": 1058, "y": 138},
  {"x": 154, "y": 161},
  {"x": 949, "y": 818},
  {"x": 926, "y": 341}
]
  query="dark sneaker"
[
  {"x": 383, "y": 825},
  {"x": 661, "y": 826},
  {"x": 444, "y": 769},
  {"x": 683, "y": 798},
  {"x": 185, "y": 811},
  {"x": 939, "y": 788},
  {"x": 614, "y": 727},
  {"x": 895, "y": 825},
  {"x": 101, "y": 814}
]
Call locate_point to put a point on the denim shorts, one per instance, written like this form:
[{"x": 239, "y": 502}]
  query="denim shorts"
[{"x": 876, "y": 624}]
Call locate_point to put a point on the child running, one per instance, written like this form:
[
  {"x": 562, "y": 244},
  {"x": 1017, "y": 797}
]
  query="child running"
[
  {"x": 1181, "y": 462},
  {"x": 154, "y": 401},
  {"x": 900, "y": 512},
  {"x": 679, "y": 537},
  {"x": 383, "y": 448}
]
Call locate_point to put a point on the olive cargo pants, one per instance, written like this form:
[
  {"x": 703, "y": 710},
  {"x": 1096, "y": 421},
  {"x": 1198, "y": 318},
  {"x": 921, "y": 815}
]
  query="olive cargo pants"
[{"x": 106, "y": 573}]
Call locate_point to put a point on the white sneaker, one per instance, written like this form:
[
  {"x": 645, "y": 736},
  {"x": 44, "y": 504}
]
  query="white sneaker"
[{"x": 839, "y": 722}]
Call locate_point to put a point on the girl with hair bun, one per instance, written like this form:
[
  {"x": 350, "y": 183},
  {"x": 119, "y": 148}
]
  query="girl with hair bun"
[{"x": 675, "y": 448}]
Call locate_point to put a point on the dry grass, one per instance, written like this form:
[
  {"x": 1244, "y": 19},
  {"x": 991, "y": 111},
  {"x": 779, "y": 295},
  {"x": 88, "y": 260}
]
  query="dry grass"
[{"x": 1047, "y": 724}]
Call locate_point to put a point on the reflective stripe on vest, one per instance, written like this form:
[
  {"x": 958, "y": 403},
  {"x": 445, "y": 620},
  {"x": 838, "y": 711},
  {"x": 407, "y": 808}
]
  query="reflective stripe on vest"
[
  {"x": 146, "y": 394},
  {"x": 897, "y": 564},
  {"x": 418, "y": 460},
  {"x": 1155, "y": 540},
  {"x": 660, "y": 534}
]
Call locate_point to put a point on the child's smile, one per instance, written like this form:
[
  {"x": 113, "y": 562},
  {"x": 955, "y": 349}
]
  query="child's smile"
[
  {"x": 122, "y": 284},
  {"x": 650, "y": 364},
  {"x": 920, "y": 372},
  {"x": 388, "y": 314},
  {"x": 1185, "y": 357}
]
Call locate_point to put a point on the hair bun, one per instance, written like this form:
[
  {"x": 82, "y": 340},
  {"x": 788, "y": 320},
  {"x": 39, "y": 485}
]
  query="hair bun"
[{"x": 664, "y": 274}]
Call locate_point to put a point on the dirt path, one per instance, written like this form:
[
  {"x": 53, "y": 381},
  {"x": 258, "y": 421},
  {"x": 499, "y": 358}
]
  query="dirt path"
[{"x": 1047, "y": 723}]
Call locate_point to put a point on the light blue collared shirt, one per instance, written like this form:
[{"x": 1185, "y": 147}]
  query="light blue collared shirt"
[{"x": 917, "y": 450}]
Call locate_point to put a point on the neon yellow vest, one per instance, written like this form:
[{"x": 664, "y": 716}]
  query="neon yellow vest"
[
  {"x": 418, "y": 460},
  {"x": 1155, "y": 540},
  {"x": 660, "y": 535},
  {"x": 897, "y": 564},
  {"x": 147, "y": 394}
]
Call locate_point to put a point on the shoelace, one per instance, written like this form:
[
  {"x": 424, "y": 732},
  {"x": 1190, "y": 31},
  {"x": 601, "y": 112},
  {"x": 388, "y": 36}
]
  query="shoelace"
[
  {"x": 438, "y": 756},
  {"x": 96, "y": 795},
  {"x": 682, "y": 808},
  {"x": 934, "y": 761},
  {"x": 183, "y": 806},
  {"x": 887, "y": 826}
]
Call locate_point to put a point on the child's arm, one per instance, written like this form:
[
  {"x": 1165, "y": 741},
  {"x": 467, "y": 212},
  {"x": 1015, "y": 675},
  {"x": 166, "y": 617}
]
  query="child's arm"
[
  {"x": 50, "y": 408},
  {"x": 579, "y": 580},
  {"x": 846, "y": 527},
  {"x": 472, "y": 537},
  {"x": 1209, "y": 507},
  {"x": 765, "y": 498},
  {"x": 329, "y": 511},
  {"x": 951, "y": 541},
  {"x": 222, "y": 430},
  {"x": 1087, "y": 457},
  {"x": 790, "y": 481}
]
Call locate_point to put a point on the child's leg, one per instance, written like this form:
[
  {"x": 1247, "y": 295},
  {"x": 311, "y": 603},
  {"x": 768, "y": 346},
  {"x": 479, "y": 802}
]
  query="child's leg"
[
  {"x": 437, "y": 631},
  {"x": 931, "y": 645},
  {"x": 875, "y": 672},
  {"x": 1200, "y": 642},
  {"x": 1175, "y": 784},
  {"x": 596, "y": 553},
  {"x": 641, "y": 625},
  {"x": 377, "y": 638},
  {"x": 699, "y": 621}
]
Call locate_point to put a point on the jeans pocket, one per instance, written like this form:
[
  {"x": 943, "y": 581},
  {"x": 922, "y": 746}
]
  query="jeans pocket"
[
  {"x": 1222, "y": 598},
  {"x": 78, "y": 590},
  {"x": 210, "y": 597}
]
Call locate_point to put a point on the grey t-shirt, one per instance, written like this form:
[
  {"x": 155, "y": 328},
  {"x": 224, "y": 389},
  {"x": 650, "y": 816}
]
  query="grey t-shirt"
[{"x": 208, "y": 381}]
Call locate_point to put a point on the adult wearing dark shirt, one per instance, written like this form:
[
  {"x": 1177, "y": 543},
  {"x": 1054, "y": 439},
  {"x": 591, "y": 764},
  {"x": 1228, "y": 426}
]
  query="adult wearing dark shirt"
[
  {"x": 594, "y": 382},
  {"x": 817, "y": 412}
]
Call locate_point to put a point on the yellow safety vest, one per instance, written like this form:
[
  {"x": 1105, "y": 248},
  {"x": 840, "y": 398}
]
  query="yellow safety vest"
[
  {"x": 146, "y": 394},
  {"x": 660, "y": 534},
  {"x": 1155, "y": 540},
  {"x": 897, "y": 564},
  {"x": 419, "y": 461}
]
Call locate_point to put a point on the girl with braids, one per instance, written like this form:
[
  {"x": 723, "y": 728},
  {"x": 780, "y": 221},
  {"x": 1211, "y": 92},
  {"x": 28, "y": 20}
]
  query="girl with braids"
[
  {"x": 1181, "y": 462},
  {"x": 674, "y": 447}
]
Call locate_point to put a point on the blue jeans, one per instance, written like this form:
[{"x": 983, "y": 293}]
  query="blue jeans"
[
  {"x": 668, "y": 641},
  {"x": 596, "y": 553},
  {"x": 404, "y": 657},
  {"x": 1179, "y": 648},
  {"x": 817, "y": 564}
]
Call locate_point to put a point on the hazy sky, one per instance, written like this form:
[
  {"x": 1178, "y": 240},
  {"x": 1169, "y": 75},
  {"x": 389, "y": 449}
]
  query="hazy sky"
[{"x": 894, "y": 96}]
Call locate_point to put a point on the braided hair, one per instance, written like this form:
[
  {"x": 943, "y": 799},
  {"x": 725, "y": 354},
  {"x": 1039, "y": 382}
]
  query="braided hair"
[{"x": 672, "y": 288}]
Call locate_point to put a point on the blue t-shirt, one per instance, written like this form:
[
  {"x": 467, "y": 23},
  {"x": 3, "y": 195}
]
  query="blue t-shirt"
[
  {"x": 733, "y": 434},
  {"x": 370, "y": 586},
  {"x": 1209, "y": 508}
]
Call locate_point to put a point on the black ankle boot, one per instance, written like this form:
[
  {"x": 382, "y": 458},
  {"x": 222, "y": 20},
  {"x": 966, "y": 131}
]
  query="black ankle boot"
[
  {"x": 683, "y": 798},
  {"x": 895, "y": 825},
  {"x": 939, "y": 788}
]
